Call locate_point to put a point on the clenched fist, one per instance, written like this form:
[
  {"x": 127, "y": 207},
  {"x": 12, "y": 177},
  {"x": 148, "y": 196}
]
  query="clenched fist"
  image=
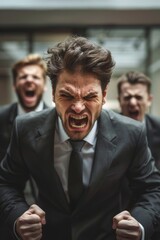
[
  {"x": 126, "y": 227},
  {"x": 29, "y": 225}
]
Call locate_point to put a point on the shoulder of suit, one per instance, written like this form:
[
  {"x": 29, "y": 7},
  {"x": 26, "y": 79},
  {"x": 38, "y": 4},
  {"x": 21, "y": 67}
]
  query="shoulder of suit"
[
  {"x": 35, "y": 116},
  {"x": 7, "y": 110},
  {"x": 121, "y": 124},
  {"x": 122, "y": 127},
  {"x": 155, "y": 120},
  {"x": 116, "y": 116},
  {"x": 29, "y": 123}
]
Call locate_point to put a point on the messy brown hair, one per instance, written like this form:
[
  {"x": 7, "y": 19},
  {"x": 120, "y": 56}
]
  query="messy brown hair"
[
  {"x": 79, "y": 53},
  {"x": 134, "y": 77}
]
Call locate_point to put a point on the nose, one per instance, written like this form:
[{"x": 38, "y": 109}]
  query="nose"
[
  {"x": 133, "y": 101},
  {"x": 29, "y": 78},
  {"x": 78, "y": 106}
]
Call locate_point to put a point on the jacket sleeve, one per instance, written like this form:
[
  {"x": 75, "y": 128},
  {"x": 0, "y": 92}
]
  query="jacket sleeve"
[
  {"x": 13, "y": 176},
  {"x": 144, "y": 180}
]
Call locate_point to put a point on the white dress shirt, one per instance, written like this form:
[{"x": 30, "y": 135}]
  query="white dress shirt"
[{"x": 62, "y": 152}]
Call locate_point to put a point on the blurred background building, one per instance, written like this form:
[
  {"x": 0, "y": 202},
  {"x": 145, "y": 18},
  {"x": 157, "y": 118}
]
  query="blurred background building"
[{"x": 129, "y": 29}]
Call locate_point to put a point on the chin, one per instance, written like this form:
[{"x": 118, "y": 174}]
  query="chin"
[{"x": 29, "y": 108}]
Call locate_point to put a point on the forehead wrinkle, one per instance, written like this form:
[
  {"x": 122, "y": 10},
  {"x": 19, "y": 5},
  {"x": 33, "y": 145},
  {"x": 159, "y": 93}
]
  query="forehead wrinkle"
[
  {"x": 133, "y": 92},
  {"x": 91, "y": 91},
  {"x": 73, "y": 90}
]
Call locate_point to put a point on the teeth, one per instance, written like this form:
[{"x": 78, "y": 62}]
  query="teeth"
[
  {"x": 78, "y": 126},
  {"x": 78, "y": 117},
  {"x": 78, "y": 121}
]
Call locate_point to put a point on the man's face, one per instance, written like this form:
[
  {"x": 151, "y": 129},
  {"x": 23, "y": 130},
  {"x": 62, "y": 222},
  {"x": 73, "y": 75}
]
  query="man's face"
[
  {"x": 79, "y": 99},
  {"x": 30, "y": 86},
  {"x": 134, "y": 100}
]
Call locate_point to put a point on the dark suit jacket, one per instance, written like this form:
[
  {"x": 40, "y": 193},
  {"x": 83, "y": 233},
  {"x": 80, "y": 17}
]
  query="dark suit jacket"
[
  {"x": 153, "y": 136},
  {"x": 8, "y": 113},
  {"x": 152, "y": 125},
  {"x": 121, "y": 150}
]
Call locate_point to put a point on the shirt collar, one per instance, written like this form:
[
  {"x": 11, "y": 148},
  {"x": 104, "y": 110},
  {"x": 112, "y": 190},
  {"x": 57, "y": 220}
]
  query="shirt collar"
[
  {"x": 90, "y": 138},
  {"x": 38, "y": 108}
]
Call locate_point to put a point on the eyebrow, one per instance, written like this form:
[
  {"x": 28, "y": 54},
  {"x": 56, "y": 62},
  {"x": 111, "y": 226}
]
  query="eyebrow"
[
  {"x": 65, "y": 91},
  {"x": 92, "y": 93},
  {"x": 136, "y": 94},
  {"x": 88, "y": 94}
]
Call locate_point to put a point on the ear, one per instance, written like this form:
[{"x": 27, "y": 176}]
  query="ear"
[
  {"x": 45, "y": 88},
  {"x": 45, "y": 84},
  {"x": 150, "y": 98}
]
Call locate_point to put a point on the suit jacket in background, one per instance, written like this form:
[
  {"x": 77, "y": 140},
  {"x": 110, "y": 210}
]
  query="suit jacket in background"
[
  {"x": 121, "y": 150},
  {"x": 8, "y": 113},
  {"x": 153, "y": 137},
  {"x": 152, "y": 125}
]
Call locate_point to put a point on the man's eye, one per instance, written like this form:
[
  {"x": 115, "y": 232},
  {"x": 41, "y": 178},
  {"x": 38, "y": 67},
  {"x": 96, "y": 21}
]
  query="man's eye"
[
  {"x": 127, "y": 98},
  {"x": 22, "y": 77},
  {"x": 91, "y": 97},
  {"x": 35, "y": 77},
  {"x": 66, "y": 96},
  {"x": 139, "y": 98}
]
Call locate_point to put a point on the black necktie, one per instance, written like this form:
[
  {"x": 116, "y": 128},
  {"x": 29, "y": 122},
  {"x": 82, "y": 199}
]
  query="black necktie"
[{"x": 75, "y": 180}]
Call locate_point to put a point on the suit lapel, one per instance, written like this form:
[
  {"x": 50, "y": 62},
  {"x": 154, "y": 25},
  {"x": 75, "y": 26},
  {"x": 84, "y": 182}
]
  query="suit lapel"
[
  {"x": 13, "y": 113},
  {"x": 149, "y": 129},
  {"x": 10, "y": 119},
  {"x": 104, "y": 152},
  {"x": 44, "y": 146}
]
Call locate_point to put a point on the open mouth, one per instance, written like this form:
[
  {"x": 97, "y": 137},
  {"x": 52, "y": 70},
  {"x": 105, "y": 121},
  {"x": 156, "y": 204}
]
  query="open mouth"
[
  {"x": 29, "y": 93},
  {"x": 78, "y": 121},
  {"x": 134, "y": 114}
]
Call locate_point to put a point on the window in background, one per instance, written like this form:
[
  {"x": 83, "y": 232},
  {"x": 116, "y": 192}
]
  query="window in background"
[
  {"x": 41, "y": 43},
  {"x": 155, "y": 69},
  {"x": 128, "y": 48},
  {"x": 12, "y": 48}
]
